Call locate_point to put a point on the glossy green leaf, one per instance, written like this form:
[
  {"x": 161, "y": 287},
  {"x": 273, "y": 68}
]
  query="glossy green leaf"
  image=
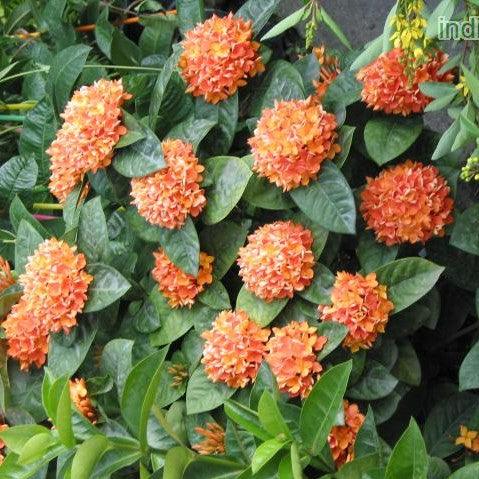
[
  {"x": 108, "y": 286},
  {"x": 471, "y": 471},
  {"x": 376, "y": 382},
  {"x": 387, "y": 137},
  {"x": 258, "y": 11},
  {"x": 409, "y": 457},
  {"x": 468, "y": 378},
  {"x": 229, "y": 176},
  {"x": 321, "y": 406},
  {"x": 288, "y": 22},
  {"x": 259, "y": 310},
  {"x": 190, "y": 12},
  {"x": 92, "y": 230},
  {"x": 328, "y": 201},
  {"x": 464, "y": 235},
  {"x": 87, "y": 456},
  {"x": 408, "y": 279},
  {"x": 203, "y": 395},
  {"x": 17, "y": 174},
  {"x": 246, "y": 418},
  {"x": 265, "y": 452},
  {"x": 270, "y": 416},
  {"x": 27, "y": 241},
  {"x": 208, "y": 467}
]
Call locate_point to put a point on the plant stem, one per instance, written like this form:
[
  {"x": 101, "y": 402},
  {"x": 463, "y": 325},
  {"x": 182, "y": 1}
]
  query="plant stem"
[
  {"x": 124, "y": 67},
  {"x": 10, "y": 118},
  {"x": 21, "y": 74},
  {"x": 47, "y": 206},
  {"x": 27, "y": 105}
]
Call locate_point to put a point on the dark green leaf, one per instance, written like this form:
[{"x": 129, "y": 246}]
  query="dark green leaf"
[
  {"x": 92, "y": 230},
  {"x": 207, "y": 467},
  {"x": 259, "y": 310},
  {"x": 328, "y": 201},
  {"x": 229, "y": 176},
  {"x": 192, "y": 131},
  {"x": 408, "y": 279},
  {"x": 286, "y": 23},
  {"x": 190, "y": 12},
  {"x": 471, "y": 471},
  {"x": 123, "y": 50},
  {"x": 108, "y": 285},
  {"x": 371, "y": 254},
  {"x": 319, "y": 411},
  {"x": 319, "y": 291},
  {"x": 258, "y": 11},
  {"x": 17, "y": 174},
  {"x": 387, "y": 137},
  {"x": 468, "y": 378},
  {"x": 28, "y": 239},
  {"x": 375, "y": 383},
  {"x": 116, "y": 360},
  {"x": 465, "y": 233}
]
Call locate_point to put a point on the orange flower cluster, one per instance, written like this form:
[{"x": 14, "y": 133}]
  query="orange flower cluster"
[
  {"x": 92, "y": 127},
  {"x": 55, "y": 284},
  {"x": 407, "y": 203},
  {"x": 469, "y": 439},
  {"x": 179, "y": 287},
  {"x": 3, "y": 427},
  {"x": 360, "y": 303},
  {"x": 6, "y": 277},
  {"x": 218, "y": 57},
  {"x": 291, "y": 355},
  {"x": 277, "y": 261},
  {"x": 168, "y": 196},
  {"x": 329, "y": 71},
  {"x": 234, "y": 349},
  {"x": 214, "y": 439},
  {"x": 341, "y": 439},
  {"x": 291, "y": 141},
  {"x": 387, "y": 87},
  {"x": 81, "y": 400}
]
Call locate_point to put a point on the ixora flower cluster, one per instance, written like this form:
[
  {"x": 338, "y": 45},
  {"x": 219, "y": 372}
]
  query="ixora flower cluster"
[
  {"x": 91, "y": 128},
  {"x": 167, "y": 197},
  {"x": 388, "y": 88},
  {"x": 235, "y": 347},
  {"x": 218, "y": 57},
  {"x": 55, "y": 286}
]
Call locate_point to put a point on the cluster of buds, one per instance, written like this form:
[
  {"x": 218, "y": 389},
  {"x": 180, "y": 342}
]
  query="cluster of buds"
[{"x": 470, "y": 171}]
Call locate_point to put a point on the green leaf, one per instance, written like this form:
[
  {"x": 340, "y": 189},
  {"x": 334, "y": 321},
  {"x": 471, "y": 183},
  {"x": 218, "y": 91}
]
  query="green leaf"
[
  {"x": 17, "y": 174},
  {"x": 27, "y": 241},
  {"x": 19, "y": 212},
  {"x": 174, "y": 326},
  {"x": 473, "y": 84},
  {"x": 443, "y": 12},
  {"x": 204, "y": 395},
  {"x": 464, "y": 235},
  {"x": 123, "y": 50},
  {"x": 387, "y": 137},
  {"x": 176, "y": 460},
  {"x": 182, "y": 246},
  {"x": 375, "y": 383},
  {"x": 35, "y": 447},
  {"x": 246, "y": 418},
  {"x": 407, "y": 368},
  {"x": 468, "y": 378},
  {"x": 471, "y": 471},
  {"x": 320, "y": 409},
  {"x": 108, "y": 285},
  {"x": 104, "y": 33},
  {"x": 371, "y": 254},
  {"x": 8, "y": 297},
  {"x": 192, "y": 131},
  {"x": 259, "y": 310},
  {"x": 264, "y": 381},
  {"x": 328, "y": 201},
  {"x": 371, "y": 52},
  {"x": 215, "y": 296},
  {"x": 444, "y": 421},
  {"x": 139, "y": 394},
  {"x": 335, "y": 332},
  {"x": 16, "y": 437},
  {"x": 408, "y": 279},
  {"x": 261, "y": 193},
  {"x": 157, "y": 35},
  {"x": 160, "y": 88},
  {"x": 335, "y": 28},
  {"x": 64, "y": 71},
  {"x": 38, "y": 131},
  {"x": 208, "y": 467},
  {"x": 367, "y": 440},
  {"x": 282, "y": 82},
  {"x": 319, "y": 291},
  {"x": 285, "y": 24},
  {"x": 87, "y": 456},
  {"x": 447, "y": 140},
  {"x": 387, "y": 31},
  {"x": 190, "y": 12},
  {"x": 141, "y": 158},
  {"x": 346, "y": 134},
  {"x": 229, "y": 176},
  {"x": 435, "y": 89},
  {"x": 360, "y": 468},
  {"x": 265, "y": 452},
  {"x": 440, "y": 103},
  {"x": 225, "y": 116},
  {"x": 92, "y": 230},
  {"x": 67, "y": 352},
  {"x": 223, "y": 241},
  {"x": 258, "y": 11},
  {"x": 409, "y": 457},
  {"x": 63, "y": 417},
  {"x": 116, "y": 361},
  {"x": 270, "y": 416}
]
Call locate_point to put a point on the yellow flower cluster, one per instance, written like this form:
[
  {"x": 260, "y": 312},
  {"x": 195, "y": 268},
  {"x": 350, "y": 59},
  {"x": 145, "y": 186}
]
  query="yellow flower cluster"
[{"x": 410, "y": 32}]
